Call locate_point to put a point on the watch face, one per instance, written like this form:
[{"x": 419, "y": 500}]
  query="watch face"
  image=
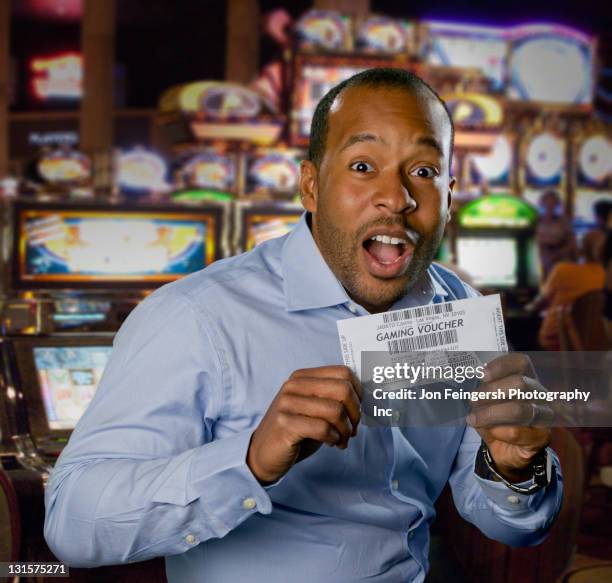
[{"x": 545, "y": 160}]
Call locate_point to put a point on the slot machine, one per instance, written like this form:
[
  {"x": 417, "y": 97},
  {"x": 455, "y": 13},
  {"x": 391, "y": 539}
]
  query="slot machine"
[
  {"x": 207, "y": 175},
  {"x": 259, "y": 221},
  {"x": 77, "y": 270},
  {"x": 272, "y": 173},
  {"x": 495, "y": 245},
  {"x": 59, "y": 174},
  {"x": 591, "y": 177}
]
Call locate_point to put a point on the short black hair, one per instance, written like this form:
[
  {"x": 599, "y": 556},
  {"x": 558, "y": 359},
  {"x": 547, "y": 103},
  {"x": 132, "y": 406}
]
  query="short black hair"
[
  {"x": 386, "y": 77},
  {"x": 602, "y": 208}
]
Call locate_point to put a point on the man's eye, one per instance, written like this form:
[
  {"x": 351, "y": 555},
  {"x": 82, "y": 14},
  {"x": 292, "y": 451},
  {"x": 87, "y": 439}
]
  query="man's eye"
[
  {"x": 362, "y": 167},
  {"x": 424, "y": 172}
]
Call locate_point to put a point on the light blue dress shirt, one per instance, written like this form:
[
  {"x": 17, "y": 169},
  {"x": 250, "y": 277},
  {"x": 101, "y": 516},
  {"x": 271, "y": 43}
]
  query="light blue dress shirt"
[{"x": 156, "y": 466}]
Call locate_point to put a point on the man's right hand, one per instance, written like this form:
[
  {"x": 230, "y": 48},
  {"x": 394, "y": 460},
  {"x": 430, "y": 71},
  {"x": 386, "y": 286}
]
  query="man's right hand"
[{"x": 314, "y": 406}]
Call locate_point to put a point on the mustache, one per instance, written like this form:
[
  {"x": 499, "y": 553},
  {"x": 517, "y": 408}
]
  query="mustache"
[{"x": 414, "y": 236}]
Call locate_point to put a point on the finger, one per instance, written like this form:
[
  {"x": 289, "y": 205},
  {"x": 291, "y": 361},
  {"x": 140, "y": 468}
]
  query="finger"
[
  {"x": 328, "y": 409},
  {"x": 332, "y": 372},
  {"x": 531, "y": 438},
  {"x": 302, "y": 427},
  {"x": 507, "y": 365},
  {"x": 339, "y": 390},
  {"x": 511, "y": 413}
]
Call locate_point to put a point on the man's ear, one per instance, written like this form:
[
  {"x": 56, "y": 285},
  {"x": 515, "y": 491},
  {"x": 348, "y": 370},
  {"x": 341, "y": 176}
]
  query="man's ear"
[
  {"x": 308, "y": 185},
  {"x": 451, "y": 187}
]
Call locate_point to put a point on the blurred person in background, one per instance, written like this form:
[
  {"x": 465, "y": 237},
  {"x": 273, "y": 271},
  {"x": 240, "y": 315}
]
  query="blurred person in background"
[
  {"x": 554, "y": 234},
  {"x": 567, "y": 281},
  {"x": 597, "y": 235}
]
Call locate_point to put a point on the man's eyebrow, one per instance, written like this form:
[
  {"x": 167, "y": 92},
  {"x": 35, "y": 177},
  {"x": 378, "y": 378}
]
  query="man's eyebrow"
[
  {"x": 430, "y": 142},
  {"x": 357, "y": 138}
]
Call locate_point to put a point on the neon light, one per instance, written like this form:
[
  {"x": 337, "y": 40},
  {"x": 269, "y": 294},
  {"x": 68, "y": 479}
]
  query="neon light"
[{"x": 58, "y": 76}]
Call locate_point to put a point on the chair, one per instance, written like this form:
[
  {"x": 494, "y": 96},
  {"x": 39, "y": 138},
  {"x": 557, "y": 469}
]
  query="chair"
[
  {"x": 582, "y": 325},
  {"x": 10, "y": 526},
  {"x": 488, "y": 561},
  {"x": 583, "y": 328}
]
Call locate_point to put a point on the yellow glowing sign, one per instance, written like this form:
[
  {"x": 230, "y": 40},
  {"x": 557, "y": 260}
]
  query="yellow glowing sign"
[{"x": 59, "y": 76}]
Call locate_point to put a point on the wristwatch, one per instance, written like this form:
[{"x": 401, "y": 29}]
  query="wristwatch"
[{"x": 541, "y": 467}]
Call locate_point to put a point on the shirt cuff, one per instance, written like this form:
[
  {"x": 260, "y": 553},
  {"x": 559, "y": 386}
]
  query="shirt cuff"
[
  {"x": 509, "y": 500},
  {"x": 226, "y": 489}
]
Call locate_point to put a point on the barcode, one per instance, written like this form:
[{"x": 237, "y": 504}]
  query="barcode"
[
  {"x": 422, "y": 342},
  {"x": 417, "y": 312}
]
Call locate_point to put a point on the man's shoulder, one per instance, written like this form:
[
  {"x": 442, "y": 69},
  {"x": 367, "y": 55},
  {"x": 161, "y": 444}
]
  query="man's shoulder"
[
  {"x": 451, "y": 282},
  {"x": 249, "y": 271}
]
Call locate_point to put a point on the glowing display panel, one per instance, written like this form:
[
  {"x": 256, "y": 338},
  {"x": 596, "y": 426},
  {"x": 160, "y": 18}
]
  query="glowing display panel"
[
  {"x": 71, "y": 247},
  {"x": 595, "y": 162},
  {"x": 68, "y": 378},
  {"x": 468, "y": 46},
  {"x": 545, "y": 160},
  {"x": 551, "y": 64},
  {"x": 489, "y": 261},
  {"x": 260, "y": 228},
  {"x": 273, "y": 171},
  {"x": 493, "y": 168}
]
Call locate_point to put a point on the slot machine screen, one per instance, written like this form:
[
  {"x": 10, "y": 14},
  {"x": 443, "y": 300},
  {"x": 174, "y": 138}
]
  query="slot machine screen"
[
  {"x": 468, "y": 46},
  {"x": 68, "y": 378},
  {"x": 259, "y": 223},
  {"x": 551, "y": 64},
  {"x": 273, "y": 171},
  {"x": 491, "y": 262},
  {"x": 89, "y": 247},
  {"x": 58, "y": 376}
]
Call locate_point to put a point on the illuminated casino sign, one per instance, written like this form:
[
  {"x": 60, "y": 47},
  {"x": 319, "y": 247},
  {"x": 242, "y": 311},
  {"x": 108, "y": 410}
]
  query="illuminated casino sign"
[
  {"x": 57, "y": 77},
  {"x": 214, "y": 99},
  {"x": 595, "y": 162},
  {"x": 498, "y": 210},
  {"x": 140, "y": 170},
  {"x": 551, "y": 63},
  {"x": 474, "y": 109},
  {"x": 64, "y": 167}
]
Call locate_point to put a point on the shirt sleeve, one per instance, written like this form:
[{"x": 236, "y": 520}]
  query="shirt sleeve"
[
  {"x": 500, "y": 513},
  {"x": 141, "y": 475}
]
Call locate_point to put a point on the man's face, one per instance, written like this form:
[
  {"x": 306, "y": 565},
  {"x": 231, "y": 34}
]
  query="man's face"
[{"x": 380, "y": 197}]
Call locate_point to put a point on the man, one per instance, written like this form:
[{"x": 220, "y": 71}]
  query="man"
[
  {"x": 596, "y": 237},
  {"x": 208, "y": 437},
  {"x": 566, "y": 283}
]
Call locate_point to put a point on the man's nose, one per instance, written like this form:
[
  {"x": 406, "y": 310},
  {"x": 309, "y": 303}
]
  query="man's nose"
[{"x": 392, "y": 194}]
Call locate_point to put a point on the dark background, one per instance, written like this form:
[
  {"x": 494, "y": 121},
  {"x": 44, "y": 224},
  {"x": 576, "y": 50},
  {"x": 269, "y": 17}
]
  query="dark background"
[{"x": 161, "y": 43}]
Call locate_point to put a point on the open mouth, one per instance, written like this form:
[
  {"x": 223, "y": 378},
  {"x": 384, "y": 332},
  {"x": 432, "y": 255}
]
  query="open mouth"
[{"x": 387, "y": 256}]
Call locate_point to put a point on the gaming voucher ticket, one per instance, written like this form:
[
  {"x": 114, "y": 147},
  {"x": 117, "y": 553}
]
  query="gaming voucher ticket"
[{"x": 475, "y": 324}]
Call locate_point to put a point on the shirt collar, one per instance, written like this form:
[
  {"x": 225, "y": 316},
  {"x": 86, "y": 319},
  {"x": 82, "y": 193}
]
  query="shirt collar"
[{"x": 309, "y": 283}]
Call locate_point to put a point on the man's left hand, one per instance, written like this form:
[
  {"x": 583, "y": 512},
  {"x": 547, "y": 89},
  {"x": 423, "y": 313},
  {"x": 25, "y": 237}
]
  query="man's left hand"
[{"x": 507, "y": 427}]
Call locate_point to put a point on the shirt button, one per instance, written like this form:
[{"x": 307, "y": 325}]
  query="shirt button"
[
  {"x": 190, "y": 539},
  {"x": 411, "y": 535},
  {"x": 394, "y": 484},
  {"x": 352, "y": 309},
  {"x": 249, "y": 503},
  {"x": 514, "y": 499}
]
